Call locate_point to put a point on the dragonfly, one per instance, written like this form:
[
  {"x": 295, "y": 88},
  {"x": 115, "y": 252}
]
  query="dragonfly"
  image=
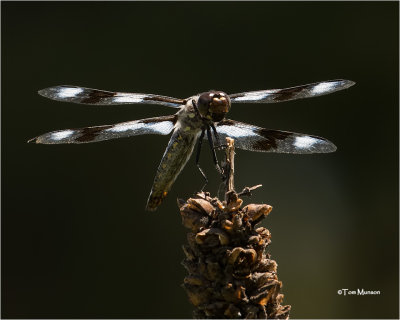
[{"x": 199, "y": 117}]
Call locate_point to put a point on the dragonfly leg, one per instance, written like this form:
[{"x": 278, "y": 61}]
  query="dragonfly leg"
[
  {"x": 217, "y": 138},
  {"x": 199, "y": 143},
  {"x": 211, "y": 142}
]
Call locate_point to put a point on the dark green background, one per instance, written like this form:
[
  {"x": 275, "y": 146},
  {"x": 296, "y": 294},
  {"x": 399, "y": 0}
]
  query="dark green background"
[{"x": 76, "y": 241}]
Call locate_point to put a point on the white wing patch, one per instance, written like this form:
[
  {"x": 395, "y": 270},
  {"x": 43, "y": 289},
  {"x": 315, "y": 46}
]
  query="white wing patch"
[
  {"x": 236, "y": 131},
  {"x": 323, "y": 87},
  {"x": 69, "y": 92},
  {"x": 164, "y": 127},
  {"x": 129, "y": 98},
  {"x": 253, "y": 96},
  {"x": 305, "y": 142},
  {"x": 61, "y": 134},
  {"x": 125, "y": 127}
]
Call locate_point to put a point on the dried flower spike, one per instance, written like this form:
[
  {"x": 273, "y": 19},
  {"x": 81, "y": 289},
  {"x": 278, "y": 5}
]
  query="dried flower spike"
[{"x": 230, "y": 275}]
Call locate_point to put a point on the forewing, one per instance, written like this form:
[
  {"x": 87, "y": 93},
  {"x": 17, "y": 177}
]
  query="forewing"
[
  {"x": 249, "y": 137},
  {"x": 293, "y": 93},
  {"x": 101, "y": 97},
  {"x": 159, "y": 125}
]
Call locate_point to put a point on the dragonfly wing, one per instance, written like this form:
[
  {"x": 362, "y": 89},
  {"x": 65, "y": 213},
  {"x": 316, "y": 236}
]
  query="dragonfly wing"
[
  {"x": 293, "y": 93},
  {"x": 159, "y": 125},
  {"x": 249, "y": 137},
  {"x": 91, "y": 96}
]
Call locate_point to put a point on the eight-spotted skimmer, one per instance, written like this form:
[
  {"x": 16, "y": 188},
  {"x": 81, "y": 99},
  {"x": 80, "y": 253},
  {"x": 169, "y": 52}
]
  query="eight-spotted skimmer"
[{"x": 199, "y": 115}]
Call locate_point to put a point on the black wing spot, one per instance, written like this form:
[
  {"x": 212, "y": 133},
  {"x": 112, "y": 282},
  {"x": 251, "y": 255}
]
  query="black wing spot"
[
  {"x": 287, "y": 94},
  {"x": 95, "y": 96},
  {"x": 270, "y": 139},
  {"x": 89, "y": 134}
]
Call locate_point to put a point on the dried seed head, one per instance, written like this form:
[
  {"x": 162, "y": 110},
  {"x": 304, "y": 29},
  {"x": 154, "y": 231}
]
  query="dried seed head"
[
  {"x": 256, "y": 212},
  {"x": 212, "y": 237},
  {"x": 196, "y": 281},
  {"x": 232, "y": 312},
  {"x": 192, "y": 219},
  {"x": 242, "y": 256},
  {"x": 230, "y": 275},
  {"x": 237, "y": 222},
  {"x": 202, "y": 205},
  {"x": 227, "y": 225}
]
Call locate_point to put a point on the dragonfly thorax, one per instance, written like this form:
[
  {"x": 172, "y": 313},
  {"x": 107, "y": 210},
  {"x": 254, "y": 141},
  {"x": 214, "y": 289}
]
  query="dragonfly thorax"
[{"x": 214, "y": 105}]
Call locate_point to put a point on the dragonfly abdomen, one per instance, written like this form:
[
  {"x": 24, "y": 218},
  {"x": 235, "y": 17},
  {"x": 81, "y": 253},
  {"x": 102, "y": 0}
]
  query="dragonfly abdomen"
[{"x": 178, "y": 152}]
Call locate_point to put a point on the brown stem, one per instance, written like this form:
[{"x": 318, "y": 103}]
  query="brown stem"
[{"x": 229, "y": 168}]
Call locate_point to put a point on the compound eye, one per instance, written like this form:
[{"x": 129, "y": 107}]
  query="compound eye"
[
  {"x": 205, "y": 99},
  {"x": 203, "y": 103}
]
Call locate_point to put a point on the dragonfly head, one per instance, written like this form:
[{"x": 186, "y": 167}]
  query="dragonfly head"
[{"x": 214, "y": 105}]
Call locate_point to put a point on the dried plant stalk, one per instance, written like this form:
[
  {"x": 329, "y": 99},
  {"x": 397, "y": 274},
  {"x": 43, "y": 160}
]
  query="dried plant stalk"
[
  {"x": 229, "y": 167},
  {"x": 230, "y": 275}
]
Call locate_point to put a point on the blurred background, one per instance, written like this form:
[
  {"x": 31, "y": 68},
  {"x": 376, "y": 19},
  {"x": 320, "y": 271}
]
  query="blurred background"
[{"x": 76, "y": 241}]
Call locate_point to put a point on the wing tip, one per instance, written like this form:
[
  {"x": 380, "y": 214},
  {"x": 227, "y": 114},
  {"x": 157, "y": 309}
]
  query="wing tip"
[
  {"x": 330, "y": 86},
  {"x": 307, "y": 144},
  {"x": 346, "y": 83},
  {"x": 33, "y": 140},
  {"x": 327, "y": 146},
  {"x": 44, "y": 92},
  {"x": 37, "y": 140},
  {"x": 51, "y": 92},
  {"x": 331, "y": 148}
]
